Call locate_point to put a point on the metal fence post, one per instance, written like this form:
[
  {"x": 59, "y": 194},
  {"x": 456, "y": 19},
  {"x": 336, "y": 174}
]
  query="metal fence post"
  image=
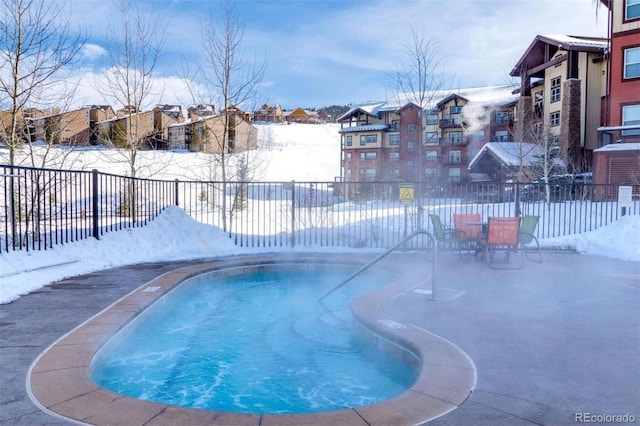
[
  {"x": 96, "y": 216},
  {"x": 293, "y": 213},
  {"x": 176, "y": 190}
]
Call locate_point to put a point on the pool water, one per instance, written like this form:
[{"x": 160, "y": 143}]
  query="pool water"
[{"x": 255, "y": 342}]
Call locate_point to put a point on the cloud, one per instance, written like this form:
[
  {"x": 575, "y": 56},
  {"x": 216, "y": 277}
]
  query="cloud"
[{"x": 93, "y": 51}]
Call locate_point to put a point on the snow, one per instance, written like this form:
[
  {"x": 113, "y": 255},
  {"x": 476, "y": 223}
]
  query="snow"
[
  {"x": 297, "y": 152},
  {"x": 619, "y": 147}
]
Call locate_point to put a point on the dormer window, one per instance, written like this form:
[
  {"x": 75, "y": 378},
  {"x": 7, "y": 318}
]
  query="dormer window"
[{"x": 456, "y": 109}]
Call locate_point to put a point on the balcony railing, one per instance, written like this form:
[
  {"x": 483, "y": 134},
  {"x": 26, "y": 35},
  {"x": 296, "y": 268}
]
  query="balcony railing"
[
  {"x": 451, "y": 123},
  {"x": 455, "y": 141},
  {"x": 448, "y": 160}
]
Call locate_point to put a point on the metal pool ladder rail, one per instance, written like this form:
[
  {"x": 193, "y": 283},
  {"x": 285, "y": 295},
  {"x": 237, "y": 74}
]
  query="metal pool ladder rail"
[{"x": 434, "y": 244}]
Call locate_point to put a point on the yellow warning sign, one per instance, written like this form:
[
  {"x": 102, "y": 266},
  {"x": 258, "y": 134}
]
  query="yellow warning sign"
[{"x": 406, "y": 193}]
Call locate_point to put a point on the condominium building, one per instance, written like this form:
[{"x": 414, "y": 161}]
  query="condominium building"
[
  {"x": 433, "y": 144},
  {"x": 562, "y": 82},
  {"x": 617, "y": 160}
]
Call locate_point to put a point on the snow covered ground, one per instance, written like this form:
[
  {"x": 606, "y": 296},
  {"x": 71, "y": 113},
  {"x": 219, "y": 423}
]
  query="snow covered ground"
[{"x": 296, "y": 152}]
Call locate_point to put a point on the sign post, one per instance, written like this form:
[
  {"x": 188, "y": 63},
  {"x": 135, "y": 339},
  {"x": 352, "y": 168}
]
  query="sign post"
[{"x": 406, "y": 199}]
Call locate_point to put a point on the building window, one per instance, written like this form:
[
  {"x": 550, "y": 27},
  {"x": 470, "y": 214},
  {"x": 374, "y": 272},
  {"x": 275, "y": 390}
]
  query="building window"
[
  {"x": 632, "y": 63},
  {"x": 538, "y": 104},
  {"x": 411, "y": 128},
  {"x": 394, "y": 156},
  {"x": 372, "y": 138},
  {"x": 349, "y": 140},
  {"x": 455, "y": 109},
  {"x": 409, "y": 165},
  {"x": 478, "y": 135},
  {"x": 455, "y": 137},
  {"x": 394, "y": 139},
  {"x": 502, "y": 136},
  {"x": 348, "y": 173},
  {"x": 410, "y": 146},
  {"x": 555, "y": 89},
  {"x": 348, "y": 157},
  {"x": 431, "y": 138},
  {"x": 554, "y": 118},
  {"x": 455, "y": 156},
  {"x": 631, "y": 117},
  {"x": 502, "y": 117},
  {"x": 431, "y": 155},
  {"x": 363, "y": 140},
  {"x": 368, "y": 172},
  {"x": 454, "y": 174},
  {"x": 431, "y": 172},
  {"x": 394, "y": 172},
  {"x": 632, "y": 10},
  {"x": 432, "y": 119},
  {"x": 367, "y": 156}
]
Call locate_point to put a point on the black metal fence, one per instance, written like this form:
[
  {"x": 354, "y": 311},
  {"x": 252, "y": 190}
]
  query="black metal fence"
[{"x": 41, "y": 208}]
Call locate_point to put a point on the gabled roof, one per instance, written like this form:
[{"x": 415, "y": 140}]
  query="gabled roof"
[
  {"x": 367, "y": 109},
  {"x": 510, "y": 154},
  {"x": 498, "y": 95},
  {"x": 451, "y": 97},
  {"x": 539, "y": 52}
]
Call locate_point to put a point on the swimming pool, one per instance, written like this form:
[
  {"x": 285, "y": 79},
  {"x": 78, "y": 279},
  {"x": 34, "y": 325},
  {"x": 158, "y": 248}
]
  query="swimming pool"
[
  {"x": 59, "y": 380},
  {"x": 255, "y": 340}
]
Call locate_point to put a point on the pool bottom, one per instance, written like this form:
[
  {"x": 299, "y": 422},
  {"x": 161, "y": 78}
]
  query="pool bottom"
[{"x": 59, "y": 380}]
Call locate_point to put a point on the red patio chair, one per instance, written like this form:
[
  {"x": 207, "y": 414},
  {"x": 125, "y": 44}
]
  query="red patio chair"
[
  {"x": 468, "y": 230},
  {"x": 502, "y": 243}
]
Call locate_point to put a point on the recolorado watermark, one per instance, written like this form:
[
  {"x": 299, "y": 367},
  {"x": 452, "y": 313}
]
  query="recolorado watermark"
[{"x": 604, "y": 418}]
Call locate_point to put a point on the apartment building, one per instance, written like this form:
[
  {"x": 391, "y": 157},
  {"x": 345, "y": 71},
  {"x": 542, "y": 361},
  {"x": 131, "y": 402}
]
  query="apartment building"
[
  {"x": 269, "y": 114},
  {"x": 163, "y": 117},
  {"x": 67, "y": 128},
  {"x": 371, "y": 145},
  {"x": 617, "y": 160},
  {"x": 562, "y": 81},
  {"x": 390, "y": 141},
  {"x": 207, "y": 133},
  {"x": 128, "y": 125},
  {"x": 301, "y": 115},
  {"x": 23, "y": 121}
]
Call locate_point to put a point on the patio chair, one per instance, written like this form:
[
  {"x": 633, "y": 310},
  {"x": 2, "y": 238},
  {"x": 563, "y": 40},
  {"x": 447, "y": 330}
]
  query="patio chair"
[
  {"x": 528, "y": 240},
  {"x": 445, "y": 237},
  {"x": 502, "y": 243},
  {"x": 469, "y": 228}
]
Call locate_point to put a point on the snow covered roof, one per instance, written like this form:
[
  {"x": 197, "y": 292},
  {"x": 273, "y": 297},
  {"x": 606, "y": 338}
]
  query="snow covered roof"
[
  {"x": 511, "y": 154},
  {"x": 538, "y": 51},
  {"x": 365, "y": 128},
  {"x": 482, "y": 96},
  {"x": 189, "y": 121},
  {"x": 581, "y": 43},
  {"x": 631, "y": 146}
]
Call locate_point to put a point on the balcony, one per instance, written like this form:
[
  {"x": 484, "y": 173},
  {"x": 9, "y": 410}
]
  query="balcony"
[
  {"x": 451, "y": 123},
  {"x": 455, "y": 141},
  {"x": 446, "y": 160}
]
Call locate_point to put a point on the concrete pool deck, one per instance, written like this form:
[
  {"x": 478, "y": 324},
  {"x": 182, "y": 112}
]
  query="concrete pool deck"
[{"x": 551, "y": 341}]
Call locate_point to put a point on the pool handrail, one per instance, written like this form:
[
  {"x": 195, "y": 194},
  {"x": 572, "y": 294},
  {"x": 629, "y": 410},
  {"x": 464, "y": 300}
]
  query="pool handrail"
[{"x": 386, "y": 253}]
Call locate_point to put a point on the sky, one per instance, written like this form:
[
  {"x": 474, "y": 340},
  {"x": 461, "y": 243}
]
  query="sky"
[
  {"x": 340, "y": 52},
  {"x": 176, "y": 236}
]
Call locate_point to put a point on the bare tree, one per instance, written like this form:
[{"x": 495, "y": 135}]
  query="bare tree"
[
  {"x": 420, "y": 79},
  {"x": 231, "y": 80},
  {"x": 37, "y": 47},
  {"x": 134, "y": 52}
]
